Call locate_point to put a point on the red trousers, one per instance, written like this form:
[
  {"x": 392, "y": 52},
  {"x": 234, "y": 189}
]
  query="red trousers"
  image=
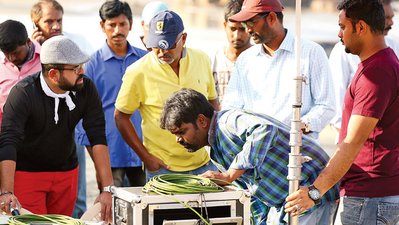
[{"x": 47, "y": 192}]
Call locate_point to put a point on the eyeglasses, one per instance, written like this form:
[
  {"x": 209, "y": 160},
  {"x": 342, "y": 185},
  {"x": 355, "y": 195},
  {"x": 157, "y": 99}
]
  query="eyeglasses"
[
  {"x": 174, "y": 46},
  {"x": 251, "y": 23},
  {"x": 76, "y": 69}
]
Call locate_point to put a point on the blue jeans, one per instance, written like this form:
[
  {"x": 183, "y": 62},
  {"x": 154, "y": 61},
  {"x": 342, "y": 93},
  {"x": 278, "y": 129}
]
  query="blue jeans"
[
  {"x": 80, "y": 205},
  {"x": 359, "y": 210},
  {"x": 200, "y": 170},
  {"x": 321, "y": 216}
]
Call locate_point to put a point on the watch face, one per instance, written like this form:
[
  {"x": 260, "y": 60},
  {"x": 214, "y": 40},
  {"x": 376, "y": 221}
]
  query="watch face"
[{"x": 314, "y": 194}]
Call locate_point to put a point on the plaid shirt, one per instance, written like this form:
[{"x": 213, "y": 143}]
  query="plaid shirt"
[{"x": 259, "y": 144}]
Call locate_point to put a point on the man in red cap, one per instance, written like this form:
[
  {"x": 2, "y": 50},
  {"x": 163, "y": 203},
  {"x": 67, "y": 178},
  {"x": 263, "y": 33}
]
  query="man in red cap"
[
  {"x": 262, "y": 79},
  {"x": 262, "y": 82}
]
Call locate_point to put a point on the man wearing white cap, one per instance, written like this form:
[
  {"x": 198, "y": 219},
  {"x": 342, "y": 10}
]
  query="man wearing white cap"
[
  {"x": 38, "y": 161},
  {"x": 262, "y": 79},
  {"x": 149, "y": 11},
  {"x": 148, "y": 82}
]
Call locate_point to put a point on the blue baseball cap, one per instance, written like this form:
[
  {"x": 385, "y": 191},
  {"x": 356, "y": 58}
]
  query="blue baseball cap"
[
  {"x": 163, "y": 30},
  {"x": 151, "y": 9}
]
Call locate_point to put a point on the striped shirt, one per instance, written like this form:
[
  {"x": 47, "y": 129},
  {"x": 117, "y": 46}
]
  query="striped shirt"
[
  {"x": 259, "y": 144},
  {"x": 264, "y": 84}
]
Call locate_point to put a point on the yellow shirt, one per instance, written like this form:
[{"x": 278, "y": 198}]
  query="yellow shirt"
[{"x": 146, "y": 86}]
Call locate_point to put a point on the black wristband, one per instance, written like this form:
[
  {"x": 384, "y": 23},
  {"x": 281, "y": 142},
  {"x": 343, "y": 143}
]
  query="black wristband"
[{"x": 6, "y": 192}]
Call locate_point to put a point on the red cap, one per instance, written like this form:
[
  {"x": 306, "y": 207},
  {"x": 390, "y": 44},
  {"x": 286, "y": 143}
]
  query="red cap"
[{"x": 251, "y": 8}]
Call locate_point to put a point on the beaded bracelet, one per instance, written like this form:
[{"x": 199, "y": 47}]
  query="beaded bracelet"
[{"x": 6, "y": 192}]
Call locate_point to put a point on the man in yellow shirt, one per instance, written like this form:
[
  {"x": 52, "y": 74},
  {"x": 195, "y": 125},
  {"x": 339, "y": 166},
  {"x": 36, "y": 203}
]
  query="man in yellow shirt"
[{"x": 146, "y": 85}]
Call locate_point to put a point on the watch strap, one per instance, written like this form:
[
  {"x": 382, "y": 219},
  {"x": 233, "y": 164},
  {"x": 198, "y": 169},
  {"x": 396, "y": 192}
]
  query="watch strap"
[{"x": 110, "y": 189}]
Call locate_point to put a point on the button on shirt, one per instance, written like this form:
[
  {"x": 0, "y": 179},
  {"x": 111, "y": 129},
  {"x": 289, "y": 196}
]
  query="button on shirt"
[
  {"x": 264, "y": 84},
  {"x": 245, "y": 140},
  {"x": 106, "y": 70},
  {"x": 10, "y": 74}
]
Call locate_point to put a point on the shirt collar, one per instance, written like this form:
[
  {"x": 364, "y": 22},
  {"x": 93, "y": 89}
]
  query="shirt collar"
[
  {"x": 212, "y": 129},
  {"x": 287, "y": 44},
  {"x": 108, "y": 53}
]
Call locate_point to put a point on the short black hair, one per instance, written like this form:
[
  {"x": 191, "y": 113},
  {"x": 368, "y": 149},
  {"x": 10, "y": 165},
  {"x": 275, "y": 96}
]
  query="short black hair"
[
  {"x": 231, "y": 8},
  {"x": 114, "y": 8},
  {"x": 184, "y": 106},
  {"x": 12, "y": 34},
  {"x": 370, "y": 11}
]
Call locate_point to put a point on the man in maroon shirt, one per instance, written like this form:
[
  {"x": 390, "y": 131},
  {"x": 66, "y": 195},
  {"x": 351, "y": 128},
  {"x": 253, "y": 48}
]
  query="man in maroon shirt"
[{"x": 366, "y": 160}]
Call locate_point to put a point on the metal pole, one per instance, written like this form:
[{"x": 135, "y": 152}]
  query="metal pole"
[{"x": 294, "y": 164}]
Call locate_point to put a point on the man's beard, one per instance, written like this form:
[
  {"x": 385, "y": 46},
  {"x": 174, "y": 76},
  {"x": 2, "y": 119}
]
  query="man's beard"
[
  {"x": 189, "y": 147},
  {"x": 66, "y": 86},
  {"x": 170, "y": 61}
]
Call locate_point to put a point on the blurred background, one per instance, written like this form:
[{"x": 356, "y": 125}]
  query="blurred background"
[{"x": 203, "y": 21}]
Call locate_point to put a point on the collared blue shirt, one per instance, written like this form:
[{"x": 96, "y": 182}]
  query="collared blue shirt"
[
  {"x": 106, "y": 70},
  {"x": 259, "y": 144},
  {"x": 264, "y": 84}
]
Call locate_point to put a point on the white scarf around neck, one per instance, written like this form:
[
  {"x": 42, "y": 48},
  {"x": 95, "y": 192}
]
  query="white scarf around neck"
[{"x": 56, "y": 97}]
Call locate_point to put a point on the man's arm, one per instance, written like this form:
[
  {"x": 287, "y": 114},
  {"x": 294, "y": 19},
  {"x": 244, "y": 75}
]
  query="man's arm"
[
  {"x": 100, "y": 157},
  {"x": 230, "y": 175},
  {"x": 359, "y": 129},
  {"x": 7, "y": 173},
  {"x": 215, "y": 104},
  {"x": 129, "y": 134}
]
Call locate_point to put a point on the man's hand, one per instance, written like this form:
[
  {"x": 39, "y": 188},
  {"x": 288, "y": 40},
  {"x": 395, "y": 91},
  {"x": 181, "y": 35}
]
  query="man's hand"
[
  {"x": 6, "y": 199},
  {"x": 37, "y": 35},
  {"x": 298, "y": 201},
  {"x": 153, "y": 164},
  {"x": 105, "y": 198},
  {"x": 216, "y": 175}
]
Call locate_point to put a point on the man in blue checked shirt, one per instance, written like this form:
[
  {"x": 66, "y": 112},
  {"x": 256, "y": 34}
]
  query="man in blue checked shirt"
[{"x": 250, "y": 149}]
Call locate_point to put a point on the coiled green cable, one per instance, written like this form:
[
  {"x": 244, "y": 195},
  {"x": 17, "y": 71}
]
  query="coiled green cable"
[
  {"x": 170, "y": 184},
  {"x": 26, "y": 219},
  {"x": 181, "y": 184}
]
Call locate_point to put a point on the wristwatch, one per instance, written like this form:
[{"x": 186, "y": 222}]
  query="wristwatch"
[
  {"x": 314, "y": 194},
  {"x": 110, "y": 189}
]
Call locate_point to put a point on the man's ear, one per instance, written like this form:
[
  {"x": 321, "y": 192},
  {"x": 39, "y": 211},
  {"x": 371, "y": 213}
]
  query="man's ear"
[
  {"x": 28, "y": 42},
  {"x": 271, "y": 18},
  {"x": 102, "y": 26},
  {"x": 361, "y": 28},
  {"x": 201, "y": 120},
  {"x": 53, "y": 75}
]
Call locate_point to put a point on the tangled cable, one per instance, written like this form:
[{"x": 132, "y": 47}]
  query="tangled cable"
[
  {"x": 181, "y": 184},
  {"x": 34, "y": 218}
]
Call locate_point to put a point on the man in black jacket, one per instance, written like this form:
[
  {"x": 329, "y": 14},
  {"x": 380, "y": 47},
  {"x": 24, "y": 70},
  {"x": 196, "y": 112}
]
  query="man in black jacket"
[{"x": 38, "y": 161}]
